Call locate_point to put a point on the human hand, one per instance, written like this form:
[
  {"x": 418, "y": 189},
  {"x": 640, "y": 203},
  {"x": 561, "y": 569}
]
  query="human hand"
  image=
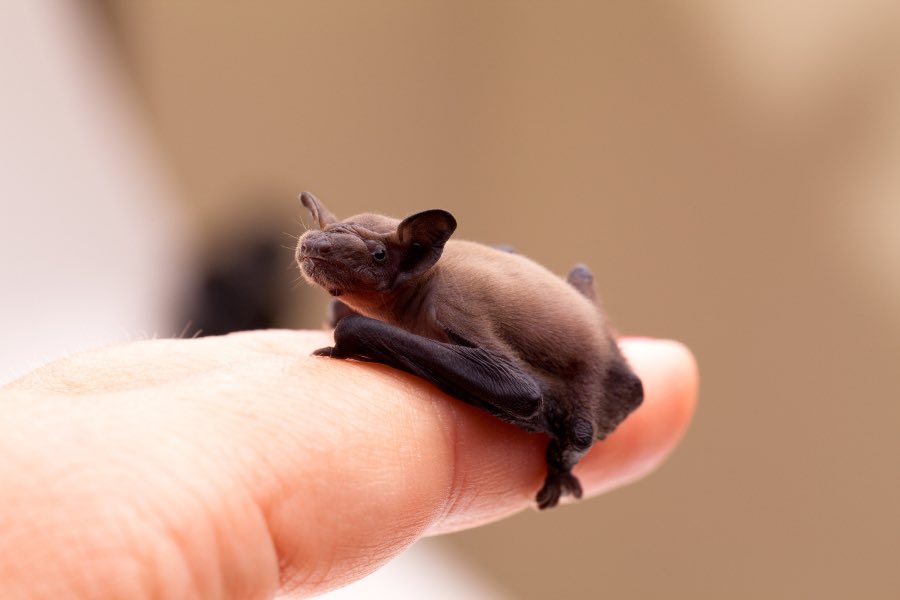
[{"x": 241, "y": 466}]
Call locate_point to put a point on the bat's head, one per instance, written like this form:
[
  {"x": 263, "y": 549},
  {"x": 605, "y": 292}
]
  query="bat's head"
[{"x": 370, "y": 253}]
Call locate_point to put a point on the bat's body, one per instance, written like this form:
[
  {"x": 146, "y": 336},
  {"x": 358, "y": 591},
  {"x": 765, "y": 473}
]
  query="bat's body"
[{"x": 489, "y": 327}]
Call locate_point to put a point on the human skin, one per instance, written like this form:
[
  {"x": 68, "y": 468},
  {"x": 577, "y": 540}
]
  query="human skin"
[{"x": 240, "y": 466}]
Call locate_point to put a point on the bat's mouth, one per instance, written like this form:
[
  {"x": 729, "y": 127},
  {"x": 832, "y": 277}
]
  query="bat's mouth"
[{"x": 319, "y": 271}]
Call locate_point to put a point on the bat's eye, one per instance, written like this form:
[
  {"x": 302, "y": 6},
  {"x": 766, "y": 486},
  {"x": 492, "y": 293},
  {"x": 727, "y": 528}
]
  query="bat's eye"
[{"x": 379, "y": 255}]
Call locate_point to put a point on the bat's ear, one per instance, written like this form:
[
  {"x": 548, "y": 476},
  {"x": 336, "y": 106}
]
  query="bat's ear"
[
  {"x": 423, "y": 236},
  {"x": 321, "y": 215}
]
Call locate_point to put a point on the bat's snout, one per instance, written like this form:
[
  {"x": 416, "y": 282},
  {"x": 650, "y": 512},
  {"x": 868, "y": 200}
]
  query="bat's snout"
[
  {"x": 317, "y": 258},
  {"x": 313, "y": 244}
]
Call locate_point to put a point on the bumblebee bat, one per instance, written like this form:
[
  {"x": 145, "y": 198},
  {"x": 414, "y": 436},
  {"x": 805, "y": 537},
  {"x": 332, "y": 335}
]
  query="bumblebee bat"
[{"x": 488, "y": 326}]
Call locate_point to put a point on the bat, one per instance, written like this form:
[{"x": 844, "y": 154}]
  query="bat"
[{"x": 487, "y": 326}]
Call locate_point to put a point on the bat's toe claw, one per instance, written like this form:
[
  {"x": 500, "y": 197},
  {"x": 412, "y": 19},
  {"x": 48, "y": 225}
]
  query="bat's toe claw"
[
  {"x": 549, "y": 495},
  {"x": 326, "y": 351},
  {"x": 572, "y": 486},
  {"x": 556, "y": 485}
]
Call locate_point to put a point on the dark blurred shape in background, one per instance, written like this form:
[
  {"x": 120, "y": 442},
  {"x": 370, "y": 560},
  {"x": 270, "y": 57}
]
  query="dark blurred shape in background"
[{"x": 243, "y": 286}]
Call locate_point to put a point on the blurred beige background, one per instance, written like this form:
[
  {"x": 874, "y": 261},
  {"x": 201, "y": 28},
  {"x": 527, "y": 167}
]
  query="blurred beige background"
[{"x": 731, "y": 171}]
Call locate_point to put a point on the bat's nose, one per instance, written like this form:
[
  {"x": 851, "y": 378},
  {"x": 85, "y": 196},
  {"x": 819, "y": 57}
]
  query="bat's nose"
[{"x": 315, "y": 245}]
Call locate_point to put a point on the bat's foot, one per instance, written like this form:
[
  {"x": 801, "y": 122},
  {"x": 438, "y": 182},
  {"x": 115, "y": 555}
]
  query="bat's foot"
[
  {"x": 581, "y": 278},
  {"x": 326, "y": 351},
  {"x": 555, "y": 486}
]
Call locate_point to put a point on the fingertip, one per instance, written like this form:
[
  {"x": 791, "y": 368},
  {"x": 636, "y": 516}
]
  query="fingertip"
[
  {"x": 670, "y": 369},
  {"x": 642, "y": 442},
  {"x": 645, "y": 439}
]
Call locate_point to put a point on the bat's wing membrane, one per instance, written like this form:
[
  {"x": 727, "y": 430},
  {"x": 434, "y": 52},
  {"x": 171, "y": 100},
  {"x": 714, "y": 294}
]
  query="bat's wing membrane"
[{"x": 481, "y": 377}]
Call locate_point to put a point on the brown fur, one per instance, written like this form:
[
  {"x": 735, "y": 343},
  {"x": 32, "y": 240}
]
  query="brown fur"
[{"x": 467, "y": 295}]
